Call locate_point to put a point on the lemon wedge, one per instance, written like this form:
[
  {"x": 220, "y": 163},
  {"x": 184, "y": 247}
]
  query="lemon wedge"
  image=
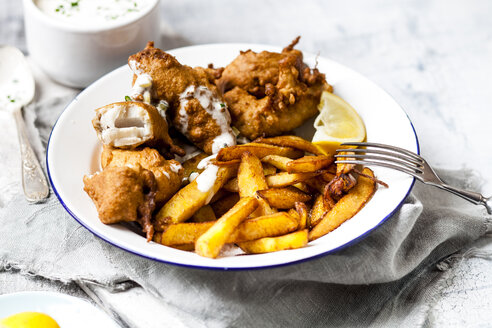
[
  {"x": 29, "y": 320},
  {"x": 336, "y": 123}
]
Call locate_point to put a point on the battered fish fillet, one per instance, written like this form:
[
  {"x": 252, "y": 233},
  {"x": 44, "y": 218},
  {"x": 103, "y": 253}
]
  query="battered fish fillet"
[
  {"x": 130, "y": 124},
  {"x": 168, "y": 173},
  {"x": 196, "y": 108},
  {"x": 123, "y": 194},
  {"x": 270, "y": 93}
]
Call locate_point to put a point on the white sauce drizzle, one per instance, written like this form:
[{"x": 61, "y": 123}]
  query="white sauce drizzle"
[
  {"x": 193, "y": 176},
  {"x": 206, "y": 161},
  {"x": 175, "y": 167},
  {"x": 205, "y": 181},
  {"x": 215, "y": 108},
  {"x": 96, "y": 13}
]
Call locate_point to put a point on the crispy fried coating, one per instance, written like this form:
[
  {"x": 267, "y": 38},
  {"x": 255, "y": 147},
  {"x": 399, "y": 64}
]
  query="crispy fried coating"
[
  {"x": 271, "y": 93},
  {"x": 123, "y": 194},
  {"x": 168, "y": 173},
  {"x": 196, "y": 108}
]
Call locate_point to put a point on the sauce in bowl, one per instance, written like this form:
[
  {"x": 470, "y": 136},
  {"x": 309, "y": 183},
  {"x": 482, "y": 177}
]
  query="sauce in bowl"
[{"x": 93, "y": 12}]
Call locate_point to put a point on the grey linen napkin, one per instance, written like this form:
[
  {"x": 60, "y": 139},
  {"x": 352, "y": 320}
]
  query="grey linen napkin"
[{"x": 363, "y": 284}]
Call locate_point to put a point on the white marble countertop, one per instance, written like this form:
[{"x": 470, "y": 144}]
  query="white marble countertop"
[{"x": 434, "y": 57}]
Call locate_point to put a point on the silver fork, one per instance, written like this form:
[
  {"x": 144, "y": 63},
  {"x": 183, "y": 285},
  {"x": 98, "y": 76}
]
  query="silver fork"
[{"x": 404, "y": 161}]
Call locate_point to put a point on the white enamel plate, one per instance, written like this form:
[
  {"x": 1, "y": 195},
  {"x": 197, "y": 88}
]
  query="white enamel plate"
[{"x": 73, "y": 151}]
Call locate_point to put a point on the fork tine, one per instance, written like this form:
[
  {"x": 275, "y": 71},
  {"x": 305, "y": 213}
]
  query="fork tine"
[
  {"x": 391, "y": 166},
  {"x": 391, "y": 159},
  {"x": 387, "y": 147},
  {"x": 384, "y": 152}
]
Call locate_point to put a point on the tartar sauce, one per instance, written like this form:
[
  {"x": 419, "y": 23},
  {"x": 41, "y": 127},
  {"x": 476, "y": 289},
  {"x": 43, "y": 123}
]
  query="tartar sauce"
[
  {"x": 93, "y": 12},
  {"x": 215, "y": 108}
]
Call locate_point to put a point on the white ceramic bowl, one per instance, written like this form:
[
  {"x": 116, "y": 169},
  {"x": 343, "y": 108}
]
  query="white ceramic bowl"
[{"x": 77, "y": 55}]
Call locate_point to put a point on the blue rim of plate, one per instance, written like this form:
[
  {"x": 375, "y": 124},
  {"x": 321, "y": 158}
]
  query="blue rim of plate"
[{"x": 331, "y": 251}]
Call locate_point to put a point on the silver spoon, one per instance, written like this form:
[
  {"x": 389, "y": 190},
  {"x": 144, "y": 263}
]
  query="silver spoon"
[{"x": 16, "y": 91}]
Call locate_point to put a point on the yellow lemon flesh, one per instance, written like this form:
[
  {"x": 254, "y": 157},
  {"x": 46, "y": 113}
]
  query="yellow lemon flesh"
[
  {"x": 336, "y": 123},
  {"x": 29, "y": 320}
]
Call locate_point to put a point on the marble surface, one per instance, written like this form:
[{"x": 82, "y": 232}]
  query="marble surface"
[{"x": 433, "y": 57}]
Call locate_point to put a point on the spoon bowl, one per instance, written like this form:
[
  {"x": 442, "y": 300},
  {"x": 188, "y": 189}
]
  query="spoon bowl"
[{"x": 17, "y": 90}]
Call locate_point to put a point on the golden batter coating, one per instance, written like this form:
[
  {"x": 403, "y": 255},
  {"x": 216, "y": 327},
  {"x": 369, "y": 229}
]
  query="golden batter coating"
[
  {"x": 270, "y": 93},
  {"x": 123, "y": 194},
  {"x": 168, "y": 173},
  {"x": 196, "y": 108}
]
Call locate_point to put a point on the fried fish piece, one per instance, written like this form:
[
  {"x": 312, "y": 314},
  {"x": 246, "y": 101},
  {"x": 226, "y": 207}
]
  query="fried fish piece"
[
  {"x": 271, "y": 93},
  {"x": 196, "y": 108},
  {"x": 130, "y": 124},
  {"x": 168, "y": 173},
  {"x": 123, "y": 194}
]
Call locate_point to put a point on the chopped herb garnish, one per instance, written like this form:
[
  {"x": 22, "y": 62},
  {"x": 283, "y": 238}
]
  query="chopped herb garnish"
[
  {"x": 222, "y": 105},
  {"x": 75, "y": 3},
  {"x": 127, "y": 98},
  {"x": 134, "y": 4}
]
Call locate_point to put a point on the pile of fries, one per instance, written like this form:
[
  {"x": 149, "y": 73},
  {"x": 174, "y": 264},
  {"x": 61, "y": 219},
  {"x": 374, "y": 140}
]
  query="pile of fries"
[{"x": 268, "y": 195}]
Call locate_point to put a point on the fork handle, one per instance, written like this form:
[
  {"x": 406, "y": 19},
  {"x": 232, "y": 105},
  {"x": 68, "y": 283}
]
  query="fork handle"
[{"x": 470, "y": 196}]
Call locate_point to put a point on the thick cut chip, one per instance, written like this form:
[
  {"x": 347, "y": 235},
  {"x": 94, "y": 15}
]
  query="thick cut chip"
[
  {"x": 283, "y": 198},
  {"x": 293, "y": 240},
  {"x": 318, "y": 211},
  {"x": 198, "y": 193},
  {"x": 302, "y": 210},
  {"x": 291, "y": 141},
  {"x": 210, "y": 243},
  {"x": 250, "y": 179},
  {"x": 284, "y": 179},
  {"x": 204, "y": 214},
  {"x": 280, "y": 162},
  {"x": 309, "y": 163},
  {"x": 347, "y": 206},
  {"x": 221, "y": 206},
  {"x": 264, "y": 226},
  {"x": 259, "y": 150}
]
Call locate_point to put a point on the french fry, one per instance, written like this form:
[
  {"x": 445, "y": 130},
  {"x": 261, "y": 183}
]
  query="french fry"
[
  {"x": 269, "y": 169},
  {"x": 317, "y": 184},
  {"x": 185, "y": 247},
  {"x": 343, "y": 168},
  {"x": 231, "y": 162},
  {"x": 210, "y": 243},
  {"x": 309, "y": 163},
  {"x": 283, "y": 198},
  {"x": 346, "y": 207},
  {"x": 250, "y": 179},
  {"x": 204, "y": 214},
  {"x": 284, "y": 179},
  {"x": 232, "y": 185},
  {"x": 263, "y": 226},
  {"x": 292, "y": 240},
  {"x": 182, "y": 233},
  {"x": 302, "y": 186},
  {"x": 318, "y": 211},
  {"x": 302, "y": 210},
  {"x": 221, "y": 193},
  {"x": 190, "y": 198},
  {"x": 291, "y": 141},
  {"x": 280, "y": 162},
  {"x": 259, "y": 150},
  {"x": 221, "y": 206}
]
